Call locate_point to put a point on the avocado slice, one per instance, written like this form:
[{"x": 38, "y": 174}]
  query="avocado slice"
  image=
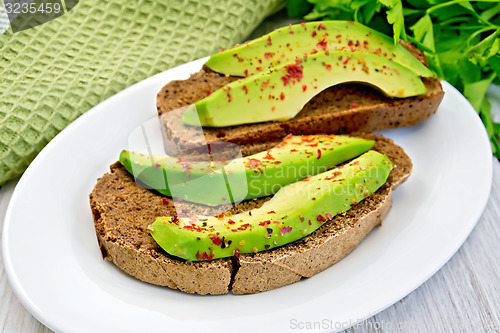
[
  {"x": 220, "y": 182},
  {"x": 285, "y": 45},
  {"x": 295, "y": 211},
  {"x": 279, "y": 94}
]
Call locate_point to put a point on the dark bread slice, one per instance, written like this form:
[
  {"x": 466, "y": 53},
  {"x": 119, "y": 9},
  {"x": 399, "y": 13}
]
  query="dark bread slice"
[
  {"x": 344, "y": 108},
  {"x": 123, "y": 211}
]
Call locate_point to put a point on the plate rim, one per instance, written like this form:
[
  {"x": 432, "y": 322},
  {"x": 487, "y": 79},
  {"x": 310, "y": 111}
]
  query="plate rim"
[{"x": 27, "y": 302}]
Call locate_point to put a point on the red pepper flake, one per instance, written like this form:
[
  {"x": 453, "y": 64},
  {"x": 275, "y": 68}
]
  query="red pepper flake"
[
  {"x": 321, "y": 26},
  {"x": 264, "y": 223},
  {"x": 221, "y": 50},
  {"x": 206, "y": 256},
  {"x": 269, "y": 42},
  {"x": 236, "y": 252},
  {"x": 314, "y": 51},
  {"x": 365, "y": 42},
  {"x": 285, "y": 230},
  {"x": 302, "y": 219},
  {"x": 293, "y": 72},
  {"x": 346, "y": 61},
  {"x": 244, "y": 226},
  {"x": 268, "y": 156},
  {"x": 329, "y": 67},
  {"x": 265, "y": 83},
  {"x": 354, "y": 105},
  {"x": 355, "y": 163},
  {"x": 215, "y": 239},
  {"x": 230, "y": 221},
  {"x": 199, "y": 256},
  {"x": 310, "y": 222},
  {"x": 260, "y": 61},
  {"x": 271, "y": 212},
  {"x": 185, "y": 167},
  {"x": 321, "y": 218},
  {"x": 329, "y": 216},
  {"x": 323, "y": 43},
  {"x": 237, "y": 57},
  {"x": 314, "y": 33},
  {"x": 335, "y": 174},
  {"x": 319, "y": 154},
  {"x": 282, "y": 96},
  {"x": 220, "y": 216},
  {"x": 253, "y": 163},
  {"x": 245, "y": 72},
  {"x": 304, "y": 87},
  {"x": 338, "y": 36},
  {"x": 164, "y": 201},
  {"x": 229, "y": 99},
  {"x": 268, "y": 55}
]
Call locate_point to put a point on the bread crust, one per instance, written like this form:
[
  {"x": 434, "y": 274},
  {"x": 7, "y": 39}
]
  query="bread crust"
[
  {"x": 121, "y": 218},
  {"x": 122, "y": 211}
]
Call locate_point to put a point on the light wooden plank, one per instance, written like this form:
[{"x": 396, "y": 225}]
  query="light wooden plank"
[{"x": 464, "y": 296}]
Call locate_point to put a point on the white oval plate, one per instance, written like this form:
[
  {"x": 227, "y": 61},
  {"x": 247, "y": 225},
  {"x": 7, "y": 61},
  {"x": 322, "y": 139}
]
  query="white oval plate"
[{"x": 54, "y": 264}]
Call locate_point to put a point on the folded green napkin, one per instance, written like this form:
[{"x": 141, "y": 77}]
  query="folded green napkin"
[{"x": 51, "y": 74}]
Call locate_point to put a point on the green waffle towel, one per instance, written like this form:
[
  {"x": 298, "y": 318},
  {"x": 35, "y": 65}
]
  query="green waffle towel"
[{"x": 51, "y": 74}]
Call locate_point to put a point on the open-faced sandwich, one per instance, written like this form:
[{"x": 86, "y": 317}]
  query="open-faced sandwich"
[{"x": 296, "y": 195}]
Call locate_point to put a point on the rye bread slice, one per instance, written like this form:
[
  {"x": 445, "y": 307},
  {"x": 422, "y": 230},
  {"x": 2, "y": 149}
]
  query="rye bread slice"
[
  {"x": 340, "y": 109},
  {"x": 123, "y": 210}
]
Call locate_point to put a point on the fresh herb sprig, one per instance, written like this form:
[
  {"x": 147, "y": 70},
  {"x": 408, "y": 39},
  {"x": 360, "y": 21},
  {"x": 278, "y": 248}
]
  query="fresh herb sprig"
[{"x": 460, "y": 39}]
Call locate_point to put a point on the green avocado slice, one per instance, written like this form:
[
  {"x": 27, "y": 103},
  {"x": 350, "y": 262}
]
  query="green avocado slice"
[
  {"x": 285, "y": 45},
  {"x": 295, "y": 211},
  {"x": 281, "y": 93},
  {"x": 262, "y": 174}
]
